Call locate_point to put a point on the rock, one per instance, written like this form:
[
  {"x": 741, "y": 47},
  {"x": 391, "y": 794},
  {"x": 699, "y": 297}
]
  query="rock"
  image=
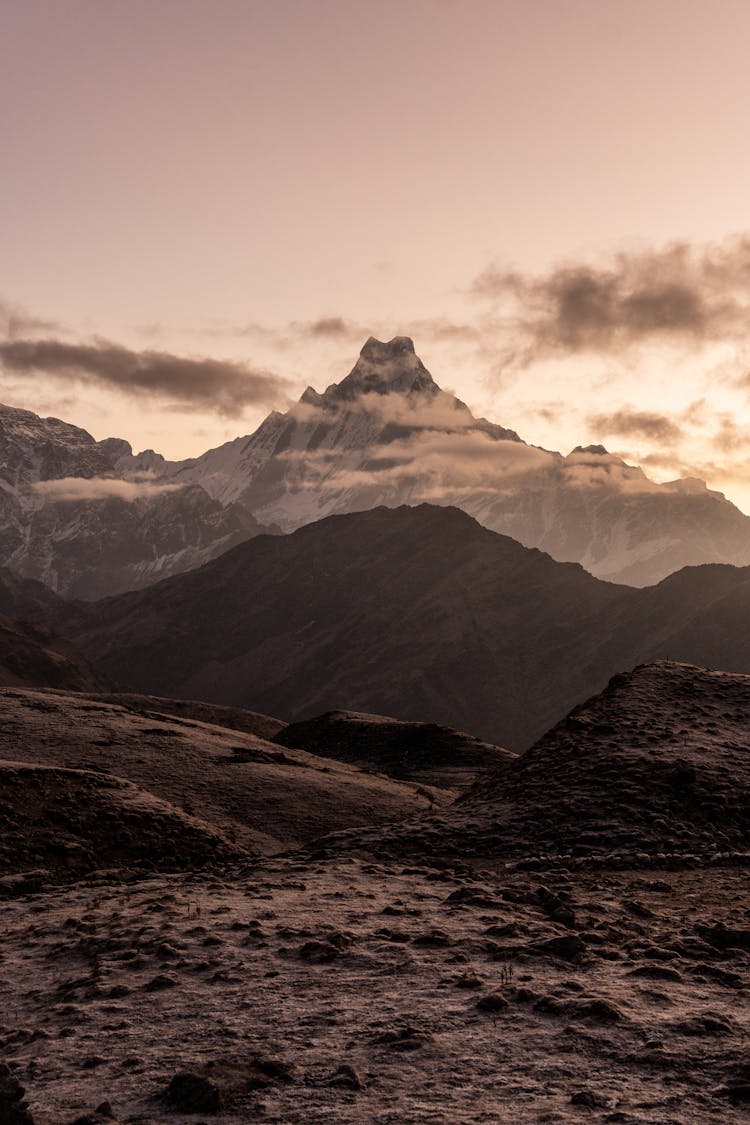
[
  {"x": 13, "y": 1108},
  {"x": 467, "y": 981},
  {"x": 656, "y": 972},
  {"x": 724, "y": 937},
  {"x": 492, "y": 1002},
  {"x": 738, "y": 1093},
  {"x": 708, "y": 1024},
  {"x": 404, "y": 1039},
  {"x": 588, "y": 1099},
  {"x": 347, "y": 1077},
  {"x": 319, "y": 952},
  {"x": 162, "y": 981},
  {"x": 193, "y": 1093},
  {"x": 433, "y": 939},
  {"x": 567, "y": 948}
]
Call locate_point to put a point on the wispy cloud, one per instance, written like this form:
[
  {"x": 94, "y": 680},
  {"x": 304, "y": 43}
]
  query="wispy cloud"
[
  {"x": 223, "y": 386},
  {"x": 100, "y": 488}
]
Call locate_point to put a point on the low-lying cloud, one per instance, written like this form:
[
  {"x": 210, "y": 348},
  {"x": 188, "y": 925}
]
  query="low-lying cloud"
[
  {"x": 678, "y": 293},
  {"x": 100, "y": 488},
  {"x": 223, "y": 386}
]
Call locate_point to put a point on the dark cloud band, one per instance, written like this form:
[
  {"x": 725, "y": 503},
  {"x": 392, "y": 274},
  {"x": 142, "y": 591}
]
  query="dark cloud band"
[{"x": 223, "y": 386}]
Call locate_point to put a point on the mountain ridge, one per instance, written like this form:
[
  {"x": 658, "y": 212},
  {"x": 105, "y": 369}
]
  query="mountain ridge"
[
  {"x": 388, "y": 434},
  {"x": 417, "y": 613}
]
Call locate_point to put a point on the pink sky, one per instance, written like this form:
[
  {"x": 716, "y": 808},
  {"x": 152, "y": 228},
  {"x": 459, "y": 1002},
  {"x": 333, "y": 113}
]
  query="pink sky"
[{"x": 212, "y": 179}]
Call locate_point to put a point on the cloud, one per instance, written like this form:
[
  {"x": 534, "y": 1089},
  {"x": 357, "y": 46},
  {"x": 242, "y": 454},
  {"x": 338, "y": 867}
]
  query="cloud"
[
  {"x": 627, "y": 422},
  {"x": 678, "y": 293},
  {"x": 223, "y": 386},
  {"x": 326, "y": 327},
  {"x": 16, "y": 322},
  {"x": 100, "y": 488},
  {"x": 731, "y": 437}
]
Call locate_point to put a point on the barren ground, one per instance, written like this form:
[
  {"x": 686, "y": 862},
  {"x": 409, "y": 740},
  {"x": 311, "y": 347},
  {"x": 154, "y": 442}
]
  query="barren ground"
[{"x": 348, "y": 991}]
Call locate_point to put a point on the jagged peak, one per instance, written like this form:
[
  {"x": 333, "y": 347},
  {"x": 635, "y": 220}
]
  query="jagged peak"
[
  {"x": 311, "y": 397},
  {"x": 379, "y": 351},
  {"x": 385, "y": 367},
  {"x": 590, "y": 450}
]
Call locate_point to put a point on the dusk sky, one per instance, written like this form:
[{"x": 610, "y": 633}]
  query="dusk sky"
[{"x": 206, "y": 206}]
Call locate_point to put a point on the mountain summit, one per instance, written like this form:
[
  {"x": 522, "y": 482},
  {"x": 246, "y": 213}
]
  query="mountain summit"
[{"x": 386, "y": 368}]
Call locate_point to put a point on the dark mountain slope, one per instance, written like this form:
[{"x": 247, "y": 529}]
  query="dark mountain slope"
[
  {"x": 418, "y": 751},
  {"x": 418, "y": 613},
  {"x": 31, "y": 656},
  {"x": 27, "y": 599}
]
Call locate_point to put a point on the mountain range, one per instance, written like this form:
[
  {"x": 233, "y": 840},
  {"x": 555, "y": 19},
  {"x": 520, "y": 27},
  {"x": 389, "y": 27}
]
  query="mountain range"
[
  {"x": 417, "y": 613},
  {"x": 91, "y": 518}
]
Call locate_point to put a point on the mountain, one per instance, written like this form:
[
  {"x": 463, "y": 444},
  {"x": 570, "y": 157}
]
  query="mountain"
[
  {"x": 418, "y": 613},
  {"x": 387, "y": 434},
  {"x": 32, "y": 656},
  {"x": 69, "y": 519},
  {"x": 654, "y": 766},
  {"x": 91, "y": 518}
]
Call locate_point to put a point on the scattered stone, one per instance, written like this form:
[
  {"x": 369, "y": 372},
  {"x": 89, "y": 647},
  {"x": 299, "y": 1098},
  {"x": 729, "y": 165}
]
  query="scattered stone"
[
  {"x": 404, "y": 1039},
  {"x": 433, "y": 939},
  {"x": 492, "y": 1002},
  {"x": 589, "y": 1099},
  {"x": 161, "y": 982},
  {"x": 656, "y": 972},
  {"x": 468, "y": 981},
  {"x": 319, "y": 952},
  {"x": 708, "y": 1024},
  {"x": 567, "y": 948},
  {"x": 347, "y": 1077}
]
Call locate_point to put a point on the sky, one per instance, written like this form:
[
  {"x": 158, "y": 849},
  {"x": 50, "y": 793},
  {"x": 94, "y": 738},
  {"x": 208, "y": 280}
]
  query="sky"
[{"x": 207, "y": 205}]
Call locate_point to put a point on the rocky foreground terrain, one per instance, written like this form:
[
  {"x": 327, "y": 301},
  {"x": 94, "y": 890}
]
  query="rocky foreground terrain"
[
  {"x": 353, "y": 991},
  {"x": 568, "y": 941}
]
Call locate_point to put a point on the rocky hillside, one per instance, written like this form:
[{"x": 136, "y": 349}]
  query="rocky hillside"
[
  {"x": 259, "y": 796},
  {"x": 655, "y": 767}
]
